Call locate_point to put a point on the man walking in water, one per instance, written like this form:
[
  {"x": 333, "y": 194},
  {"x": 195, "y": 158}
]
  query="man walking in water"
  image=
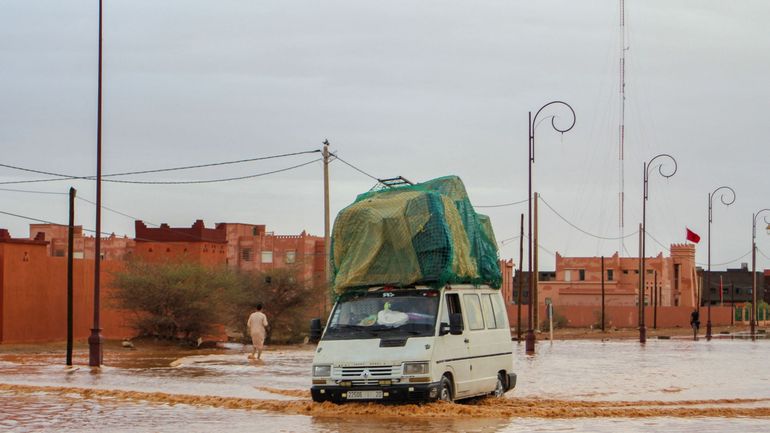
[
  {"x": 695, "y": 323},
  {"x": 257, "y": 325}
]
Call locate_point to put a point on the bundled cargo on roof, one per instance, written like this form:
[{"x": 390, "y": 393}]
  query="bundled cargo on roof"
[{"x": 419, "y": 234}]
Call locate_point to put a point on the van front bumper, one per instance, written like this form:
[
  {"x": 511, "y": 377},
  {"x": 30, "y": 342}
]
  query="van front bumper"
[{"x": 394, "y": 393}]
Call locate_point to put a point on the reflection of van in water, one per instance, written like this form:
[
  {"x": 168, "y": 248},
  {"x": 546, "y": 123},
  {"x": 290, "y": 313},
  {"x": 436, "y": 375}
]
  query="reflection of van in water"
[{"x": 415, "y": 344}]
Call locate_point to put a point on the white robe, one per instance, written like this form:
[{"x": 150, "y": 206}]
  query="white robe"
[{"x": 257, "y": 325}]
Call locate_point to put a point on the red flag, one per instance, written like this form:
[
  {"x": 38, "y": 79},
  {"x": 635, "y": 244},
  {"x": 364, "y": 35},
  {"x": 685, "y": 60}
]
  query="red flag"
[{"x": 692, "y": 236}]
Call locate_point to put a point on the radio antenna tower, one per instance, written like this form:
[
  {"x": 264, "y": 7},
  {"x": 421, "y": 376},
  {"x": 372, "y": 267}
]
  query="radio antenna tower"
[{"x": 622, "y": 127}]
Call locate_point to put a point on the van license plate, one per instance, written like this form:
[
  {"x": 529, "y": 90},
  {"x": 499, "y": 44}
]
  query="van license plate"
[{"x": 364, "y": 395}]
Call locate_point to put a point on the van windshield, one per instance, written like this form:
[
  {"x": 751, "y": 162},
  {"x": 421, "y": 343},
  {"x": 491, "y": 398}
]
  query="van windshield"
[{"x": 383, "y": 313}]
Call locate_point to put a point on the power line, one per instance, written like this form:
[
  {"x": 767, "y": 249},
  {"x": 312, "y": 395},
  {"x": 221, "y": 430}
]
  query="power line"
[
  {"x": 228, "y": 179},
  {"x": 581, "y": 230},
  {"x": 28, "y": 218},
  {"x": 725, "y": 263},
  {"x": 355, "y": 168},
  {"x": 117, "y": 212},
  {"x": 61, "y": 176},
  {"x": 33, "y": 192},
  {"x": 503, "y": 204},
  {"x": 79, "y": 198}
]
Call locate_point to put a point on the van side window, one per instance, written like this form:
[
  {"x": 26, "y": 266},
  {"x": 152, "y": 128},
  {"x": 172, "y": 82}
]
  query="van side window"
[
  {"x": 489, "y": 316},
  {"x": 500, "y": 313},
  {"x": 473, "y": 311},
  {"x": 452, "y": 306}
]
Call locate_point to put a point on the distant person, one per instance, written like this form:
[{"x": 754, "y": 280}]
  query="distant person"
[
  {"x": 257, "y": 325},
  {"x": 695, "y": 323}
]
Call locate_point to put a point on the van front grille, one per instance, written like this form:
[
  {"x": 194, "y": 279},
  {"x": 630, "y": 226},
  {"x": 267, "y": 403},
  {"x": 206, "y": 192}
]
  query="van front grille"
[{"x": 367, "y": 375}]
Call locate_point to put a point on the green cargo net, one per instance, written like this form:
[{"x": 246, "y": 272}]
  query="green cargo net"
[{"x": 417, "y": 234}]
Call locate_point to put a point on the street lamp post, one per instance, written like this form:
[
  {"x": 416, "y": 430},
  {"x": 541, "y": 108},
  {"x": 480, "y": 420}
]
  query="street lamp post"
[
  {"x": 647, "y": 165},
  {"x": 753, "y": 268},
  {"x": 530, "y": 338},
  {"x": 729, "y": 201},
  {"x": 95, "y": 339}
]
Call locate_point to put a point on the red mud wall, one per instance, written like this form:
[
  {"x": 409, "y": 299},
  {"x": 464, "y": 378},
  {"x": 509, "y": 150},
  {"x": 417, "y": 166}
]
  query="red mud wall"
[
  {"x": 624, "y": 317},
  {"x": 33, "y": 288}
]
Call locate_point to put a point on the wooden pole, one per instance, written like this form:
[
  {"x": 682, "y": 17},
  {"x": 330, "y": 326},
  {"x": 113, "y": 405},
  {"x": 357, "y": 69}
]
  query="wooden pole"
[
  {"x": 655, "y": 300},
  {"x": 603, "y": 294},
  {"x": 535, "y": 272},
  {"x": 521, "y": 279},
  {"x": 327, "y": 232},
  {"x": 70, "y": 253}
]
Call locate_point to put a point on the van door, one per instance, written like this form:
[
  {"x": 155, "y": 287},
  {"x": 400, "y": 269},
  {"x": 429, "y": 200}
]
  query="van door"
[
  {"x": 481, "y": 363},
  {"x": 452, "y": 350}
]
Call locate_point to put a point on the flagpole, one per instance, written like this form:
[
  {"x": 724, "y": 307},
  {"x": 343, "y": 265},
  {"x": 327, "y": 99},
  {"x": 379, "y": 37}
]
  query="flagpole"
[{"x": 731, "y": 200}]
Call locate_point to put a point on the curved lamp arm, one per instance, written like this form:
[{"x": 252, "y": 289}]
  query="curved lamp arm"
[
  {"x": 727, "y": 197},
  {"x": 533, "y": 124}
]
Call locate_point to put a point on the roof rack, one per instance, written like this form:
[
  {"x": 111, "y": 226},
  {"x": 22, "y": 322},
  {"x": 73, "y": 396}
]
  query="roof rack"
[{"x": 395, "y": 181}]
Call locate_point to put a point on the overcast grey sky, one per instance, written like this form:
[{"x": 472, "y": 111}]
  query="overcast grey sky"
[{"x": 417, "y": 89}]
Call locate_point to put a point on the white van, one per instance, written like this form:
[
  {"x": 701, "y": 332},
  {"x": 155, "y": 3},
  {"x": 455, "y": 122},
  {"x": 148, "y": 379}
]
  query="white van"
[{"x": 415, "y": 344}]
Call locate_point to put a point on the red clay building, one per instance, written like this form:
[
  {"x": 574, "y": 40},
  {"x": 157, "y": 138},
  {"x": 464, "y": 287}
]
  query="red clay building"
[{"x": 33, "y": 270}]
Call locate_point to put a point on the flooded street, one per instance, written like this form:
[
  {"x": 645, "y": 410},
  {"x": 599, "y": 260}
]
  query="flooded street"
[{"x": 576, "y": 386}]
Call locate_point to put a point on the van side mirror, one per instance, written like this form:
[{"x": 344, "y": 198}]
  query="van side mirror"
[
  {"x": 443, "y": 328},
  {"x": 315, "y": 330},
  {"x": 456, "y": 323}
]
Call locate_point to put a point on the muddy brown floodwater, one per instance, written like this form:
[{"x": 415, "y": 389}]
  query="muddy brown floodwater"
[{"x": 577, "y": 386}]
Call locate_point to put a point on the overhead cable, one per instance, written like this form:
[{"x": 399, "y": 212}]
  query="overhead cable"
[
  {"x": 608, "y": 238},
  {"x": 61, "y": 176},
  {"x": 503, "y": 204},
  {"x": 355, "y": 168}
]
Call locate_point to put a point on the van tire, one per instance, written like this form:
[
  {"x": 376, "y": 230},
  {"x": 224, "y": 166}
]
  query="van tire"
[
  {"x": 499, "y": 386},
  {"x": 445, "y": 390}
]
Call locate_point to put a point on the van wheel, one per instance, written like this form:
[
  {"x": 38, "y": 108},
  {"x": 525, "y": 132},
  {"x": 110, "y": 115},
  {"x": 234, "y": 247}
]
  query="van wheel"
[
  {"x": 445, "y": 392},
  {"x": 499, "y": 386}
]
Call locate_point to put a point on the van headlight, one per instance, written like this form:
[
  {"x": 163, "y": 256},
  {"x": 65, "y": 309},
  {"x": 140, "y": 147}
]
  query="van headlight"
[
  {"x": 323, "y": 370},
  {"x": 415, "y": 368}
]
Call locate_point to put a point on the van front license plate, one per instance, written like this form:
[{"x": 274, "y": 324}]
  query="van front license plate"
[{"x": 364, "y": 395}]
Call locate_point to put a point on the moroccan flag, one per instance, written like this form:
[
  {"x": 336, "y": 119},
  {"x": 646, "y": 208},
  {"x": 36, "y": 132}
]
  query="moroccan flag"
[{"x": 692, "y": 236}]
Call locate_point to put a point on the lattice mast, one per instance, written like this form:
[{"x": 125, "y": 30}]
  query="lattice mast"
[{"x": 622, "y": 127}]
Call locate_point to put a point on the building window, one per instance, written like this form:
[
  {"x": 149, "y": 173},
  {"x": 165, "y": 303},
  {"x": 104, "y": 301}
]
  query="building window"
[
  {"x": 650, "y": 271},
  {"x": 246, "y": 254},
  {"x": 291, "y": 256},
  {"x": 77, "y": 255},
  {"x": 267, "y": 257},
  {"x": 610, "y": 274},
  {"x": 567, "y": 275},
  {"x": 58, "y": 253},
  {"x": 625, "y": 271},
  {"x": 582, "y": 274}
]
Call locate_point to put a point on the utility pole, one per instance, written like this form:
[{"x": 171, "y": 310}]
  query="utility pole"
[
  {"x": 536, "y": 273},
  {"x": 602, "y": 293},
  {"x": 327, "y": 240},
  {"x": 521, "y": 278},
  {"x": 655, "y": 299},
  {"x": 95, "y": 339},
  {"x": 642, "y": 329},
  {"x": 70, "y": 253}
]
